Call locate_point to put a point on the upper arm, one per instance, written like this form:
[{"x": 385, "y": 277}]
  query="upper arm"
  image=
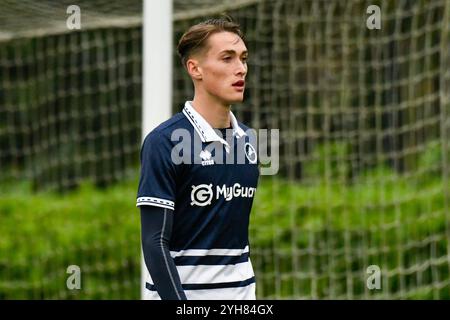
[{"x": 157, "y": 183}]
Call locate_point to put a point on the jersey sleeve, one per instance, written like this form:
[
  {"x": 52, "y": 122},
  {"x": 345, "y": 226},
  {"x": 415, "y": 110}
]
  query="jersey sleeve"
[{"x": 157, "y": 182}]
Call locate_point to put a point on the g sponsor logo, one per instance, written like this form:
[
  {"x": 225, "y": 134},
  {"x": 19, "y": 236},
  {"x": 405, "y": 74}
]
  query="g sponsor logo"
[
  {"x": 201, "y": 195},
  {"x": 235, "y": 191}
]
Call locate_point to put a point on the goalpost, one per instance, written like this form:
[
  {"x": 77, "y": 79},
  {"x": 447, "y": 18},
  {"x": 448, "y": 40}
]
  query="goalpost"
[
  {"x": 157, "y": 73},
  {"x": 364, "y": 153}
]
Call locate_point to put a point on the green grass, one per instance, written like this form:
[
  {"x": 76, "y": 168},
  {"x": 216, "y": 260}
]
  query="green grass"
[
  {"x": 317, "y": 240},
  {"x": 41, "y": 235},
  {"x": 310, "y": 240}
]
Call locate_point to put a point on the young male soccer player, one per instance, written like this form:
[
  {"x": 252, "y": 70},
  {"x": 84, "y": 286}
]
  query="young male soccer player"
[{"x": 195, "y": 213}]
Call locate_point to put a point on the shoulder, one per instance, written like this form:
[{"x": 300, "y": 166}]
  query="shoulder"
[
  {"x": 176, "y": 121},
  {"x": 163, "y": 132}
]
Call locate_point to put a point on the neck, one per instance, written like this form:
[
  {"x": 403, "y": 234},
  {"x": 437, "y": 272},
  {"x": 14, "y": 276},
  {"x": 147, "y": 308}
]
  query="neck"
[{"x": 216, "y": 113}]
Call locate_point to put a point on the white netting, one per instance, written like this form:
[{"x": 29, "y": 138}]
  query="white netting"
[
  {"x": 364, "y": 124},
  {"x": 364, "y": 142}
]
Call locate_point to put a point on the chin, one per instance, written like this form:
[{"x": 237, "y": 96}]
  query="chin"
[
  {"x": 236, "y": 99},
  {"x": 231, "y": 98}
]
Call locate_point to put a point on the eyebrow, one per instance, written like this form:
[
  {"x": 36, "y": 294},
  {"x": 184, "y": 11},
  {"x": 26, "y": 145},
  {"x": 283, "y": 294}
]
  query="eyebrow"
[{"x": 233, "y": 52}]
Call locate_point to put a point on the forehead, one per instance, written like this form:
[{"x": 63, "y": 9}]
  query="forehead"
[{"x": 225, "y": 41}]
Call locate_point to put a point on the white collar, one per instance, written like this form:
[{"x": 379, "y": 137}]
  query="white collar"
[{"x": 204, "y": 129}]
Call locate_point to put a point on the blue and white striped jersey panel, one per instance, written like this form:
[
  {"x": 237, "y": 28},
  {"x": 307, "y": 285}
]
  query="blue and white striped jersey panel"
[
  {"x": 238, "y": 293},
  {"x": 212, "y": 281}
]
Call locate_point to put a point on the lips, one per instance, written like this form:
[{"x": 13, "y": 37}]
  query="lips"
[{"x": 239, "y": 83}]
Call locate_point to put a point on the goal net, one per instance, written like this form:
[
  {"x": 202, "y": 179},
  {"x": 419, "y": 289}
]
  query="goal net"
[
  {"x": 364, "y": 124},
  {"x": 363, "y": 181},
  {"x": 70, "y": 112}
]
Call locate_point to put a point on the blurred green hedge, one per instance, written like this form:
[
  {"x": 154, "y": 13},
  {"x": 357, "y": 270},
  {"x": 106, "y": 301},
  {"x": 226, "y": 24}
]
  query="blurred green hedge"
[
  {"x": 308, "y": 240},
  {"x": 316, "y": 239},
  {"x": 41, "y": 235}
]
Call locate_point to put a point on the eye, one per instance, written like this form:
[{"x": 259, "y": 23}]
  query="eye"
[
  {"x": 226, "y": 58},
  {"x": 244, "y": 59}
]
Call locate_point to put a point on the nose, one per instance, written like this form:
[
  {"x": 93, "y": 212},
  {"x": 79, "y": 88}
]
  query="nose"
[{"x": 241, "y": 69}]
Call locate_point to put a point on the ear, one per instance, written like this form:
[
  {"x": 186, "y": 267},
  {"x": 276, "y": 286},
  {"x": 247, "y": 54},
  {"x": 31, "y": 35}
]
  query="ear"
[{"x": 194, "y": 69}]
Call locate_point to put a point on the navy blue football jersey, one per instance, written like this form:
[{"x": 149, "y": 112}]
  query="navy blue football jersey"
[{"x": 209, "y": 182}]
